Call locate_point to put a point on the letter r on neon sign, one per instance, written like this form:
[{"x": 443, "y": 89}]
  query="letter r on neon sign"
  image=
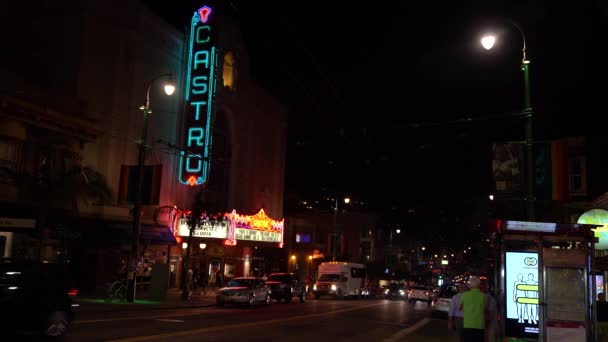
[{"x": 196, "y": 134}]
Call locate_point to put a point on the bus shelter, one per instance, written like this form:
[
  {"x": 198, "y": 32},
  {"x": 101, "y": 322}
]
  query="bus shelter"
[{"x": 544, "y": 281}]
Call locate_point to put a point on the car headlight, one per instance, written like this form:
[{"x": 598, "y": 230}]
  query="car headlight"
[
  {"x": 386, "y": 291},
  {"x": 401, "y": 292},
  {"x": 314, "y": 287},
  {"x": 334, "y": 287}
]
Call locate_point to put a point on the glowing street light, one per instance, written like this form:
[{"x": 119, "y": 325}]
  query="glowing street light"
[
  {"x": 488, "y": 41},
  {"x": 170, "y": 86}
]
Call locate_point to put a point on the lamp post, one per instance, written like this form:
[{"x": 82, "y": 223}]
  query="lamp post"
[
  {"x": 487, "y": 42},
  {"x": 134, "y": 258},
  {"x": 335, "y": 235}
]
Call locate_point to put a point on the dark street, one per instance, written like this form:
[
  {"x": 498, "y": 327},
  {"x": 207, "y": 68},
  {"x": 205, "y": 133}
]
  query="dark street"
[{"x": 353, "y": 320}]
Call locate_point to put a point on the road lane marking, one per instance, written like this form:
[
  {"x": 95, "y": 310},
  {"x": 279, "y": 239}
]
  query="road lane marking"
[
  {"x": 408, "y": 330},
  {"x": 131, "y": 318},
  {"x": 242, "y": 325},
  {"x": 170, "y": 320}
]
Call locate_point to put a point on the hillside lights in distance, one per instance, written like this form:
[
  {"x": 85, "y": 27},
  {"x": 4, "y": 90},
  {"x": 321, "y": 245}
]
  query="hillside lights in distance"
[{"x": 488, "y": 41}]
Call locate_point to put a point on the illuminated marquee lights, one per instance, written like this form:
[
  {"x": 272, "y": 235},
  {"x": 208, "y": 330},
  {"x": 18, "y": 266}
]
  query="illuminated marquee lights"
[
  {"x": 258, "y": 227},
  {"x": 258, "y": 222},
  {"x": 200, "y": 94}
]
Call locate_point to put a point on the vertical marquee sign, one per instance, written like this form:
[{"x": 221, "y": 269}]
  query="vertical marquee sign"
[{"x": 200, "y": 93}]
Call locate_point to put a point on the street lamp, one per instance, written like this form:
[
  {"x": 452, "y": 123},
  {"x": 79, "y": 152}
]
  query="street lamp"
[
  {"x": 137, "y": 207},
  {"x": 335, "y": 239},
  {"x": 487, "y": 41}
]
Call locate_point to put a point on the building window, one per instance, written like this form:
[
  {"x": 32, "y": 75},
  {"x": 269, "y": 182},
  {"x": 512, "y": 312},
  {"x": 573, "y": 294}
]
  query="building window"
[
  {"x": 55, "y": 163},
  {"x": 11, "y": 156},
  {"x": 229, "y": 72},
  {"x": 577, "y": 179}
]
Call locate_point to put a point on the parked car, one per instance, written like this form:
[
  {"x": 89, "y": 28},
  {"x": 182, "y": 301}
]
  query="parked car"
[
  {"x": 443, "y": 300},
  {"x": 285, "y": 286},
  {"x": 395, "y": 291},
  {"x": 244, "y": 290},
  {"x": 420, "y": 293},
  {"x": 36, "y": 300}
]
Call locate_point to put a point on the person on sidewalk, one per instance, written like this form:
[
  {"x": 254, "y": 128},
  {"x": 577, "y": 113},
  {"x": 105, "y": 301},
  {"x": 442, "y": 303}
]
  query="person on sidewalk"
[
  {"x": 455, "y": 315},
  {"x": 189, "y": 283},
  {"x": 473, "y": 306},
  {"x": 602, "y": 318},
  {"x": 491, "y": 314}
]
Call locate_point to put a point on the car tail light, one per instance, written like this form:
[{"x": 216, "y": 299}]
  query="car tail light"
[{"x": 73, "y": 292}]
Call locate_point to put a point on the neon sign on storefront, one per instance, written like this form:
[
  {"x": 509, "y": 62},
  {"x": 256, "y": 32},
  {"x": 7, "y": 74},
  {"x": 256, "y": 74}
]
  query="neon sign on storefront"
[{"x": 200, "y": 94}]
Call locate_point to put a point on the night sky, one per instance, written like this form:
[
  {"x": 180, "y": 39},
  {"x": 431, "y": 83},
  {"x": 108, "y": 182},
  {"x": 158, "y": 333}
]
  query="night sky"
[{"x": 376, "y": 92}]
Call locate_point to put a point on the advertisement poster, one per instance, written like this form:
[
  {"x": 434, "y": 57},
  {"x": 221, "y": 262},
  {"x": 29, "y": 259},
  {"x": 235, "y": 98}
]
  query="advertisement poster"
[
  {"x": 521, "y": 272},
  {"x": 599, "y": 284},
  {"x": 507, "y": 163}
]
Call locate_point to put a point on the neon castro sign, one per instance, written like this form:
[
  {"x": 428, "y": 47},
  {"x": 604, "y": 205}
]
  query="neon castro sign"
[{"x": 200, "y": 94}]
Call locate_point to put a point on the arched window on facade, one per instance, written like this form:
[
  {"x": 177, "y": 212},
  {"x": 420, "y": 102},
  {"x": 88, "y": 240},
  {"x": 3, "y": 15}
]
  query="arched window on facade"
[
  {"x": 219, "y": 176},
  {"x": 229, "y": 72}
]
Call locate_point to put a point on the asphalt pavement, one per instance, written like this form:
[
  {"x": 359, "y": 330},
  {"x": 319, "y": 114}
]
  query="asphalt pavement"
[{"x": 314, "y": 320}]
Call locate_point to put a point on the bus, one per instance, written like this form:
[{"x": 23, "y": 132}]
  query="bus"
[{"x": 341, "y": 279}]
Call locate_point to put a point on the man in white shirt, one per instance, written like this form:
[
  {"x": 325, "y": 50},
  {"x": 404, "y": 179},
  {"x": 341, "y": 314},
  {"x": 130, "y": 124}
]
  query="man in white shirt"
[{"x": 455, "y": 315}]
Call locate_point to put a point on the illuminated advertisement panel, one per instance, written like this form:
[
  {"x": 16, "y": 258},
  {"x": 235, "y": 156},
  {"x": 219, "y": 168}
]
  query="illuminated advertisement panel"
[
  {"x": 200, "y": 93},
  {"x": 521, "y": 274}
]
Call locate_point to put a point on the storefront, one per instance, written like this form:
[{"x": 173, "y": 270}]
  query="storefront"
[
  {"x": 233, "y": 245},
  {"x": 16, "y": 236}
]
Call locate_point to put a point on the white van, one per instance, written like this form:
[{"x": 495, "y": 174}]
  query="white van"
[{"x": 341, "y": 279}]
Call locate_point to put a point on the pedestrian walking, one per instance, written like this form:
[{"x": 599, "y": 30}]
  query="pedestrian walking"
[
  {"x": 219, "y": 279},
  {"x": 455, "y": 315},
  {"x": 602, "y": 318},
  {"x": 212, "y": 280},
  {"x": 473, "y": 306},
  {"x": 491, "y": 314}
]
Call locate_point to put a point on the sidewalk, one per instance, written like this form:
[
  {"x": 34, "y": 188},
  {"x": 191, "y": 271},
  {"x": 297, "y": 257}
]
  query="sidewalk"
[{"x": 142, "y": 302}]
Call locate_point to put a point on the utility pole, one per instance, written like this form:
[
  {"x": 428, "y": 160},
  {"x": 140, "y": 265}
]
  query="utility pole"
[
  {"x": 137, "y": 207},
  {"x": 335, "y": 234},
  {"x": 530, "y": 196}
]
